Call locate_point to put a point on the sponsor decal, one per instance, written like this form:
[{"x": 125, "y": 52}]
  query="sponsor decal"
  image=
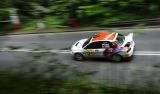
[{"x": 89, "y": 52}]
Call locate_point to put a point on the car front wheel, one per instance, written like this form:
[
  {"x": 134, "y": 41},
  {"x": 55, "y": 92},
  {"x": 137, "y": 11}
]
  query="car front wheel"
[{"x": 78, "y": 57}]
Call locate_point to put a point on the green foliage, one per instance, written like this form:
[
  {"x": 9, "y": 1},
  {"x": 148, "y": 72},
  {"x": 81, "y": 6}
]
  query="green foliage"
[
  {"x": 53, "y": 77},
  {"x": 20, "y": 82},
  {"x": 92, "y": 10},
  {"x": 57, "y": 13},
  {"x": 55, "y": 21},
  {"x": 29, "y": 25}
]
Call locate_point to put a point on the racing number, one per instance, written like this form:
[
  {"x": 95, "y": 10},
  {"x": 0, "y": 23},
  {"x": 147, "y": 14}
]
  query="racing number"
[{"x": 89, "y": 52}]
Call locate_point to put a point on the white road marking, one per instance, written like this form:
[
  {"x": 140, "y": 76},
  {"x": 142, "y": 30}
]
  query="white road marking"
[
  {"x": 142, "y": 53},
  {"x": 147, "y": 54}
]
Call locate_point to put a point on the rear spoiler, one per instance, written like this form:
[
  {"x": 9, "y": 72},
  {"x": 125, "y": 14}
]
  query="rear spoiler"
[{"x": 130, "y": 36}]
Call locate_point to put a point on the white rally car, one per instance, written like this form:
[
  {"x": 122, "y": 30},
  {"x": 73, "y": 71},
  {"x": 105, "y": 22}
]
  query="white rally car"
[{"x": 109, "y": 45}]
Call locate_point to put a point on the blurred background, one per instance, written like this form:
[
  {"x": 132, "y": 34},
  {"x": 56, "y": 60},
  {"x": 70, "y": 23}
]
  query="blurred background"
[
  {"x": 42, "y": 63},
  {"x": 32, "y": 14}
]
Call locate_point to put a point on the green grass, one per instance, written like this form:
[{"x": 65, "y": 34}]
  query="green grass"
[
  {"x": 32, "y": 76},
  {"x": 31, "y": 25},
  {"x": 31, "y": 82}
]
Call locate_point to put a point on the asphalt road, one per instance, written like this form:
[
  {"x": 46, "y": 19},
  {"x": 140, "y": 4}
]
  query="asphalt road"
[{"x": 142, "y": 69}]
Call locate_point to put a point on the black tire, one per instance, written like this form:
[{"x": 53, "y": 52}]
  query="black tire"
[
  {"x": 78, "y": 57},
  {"x": 129, "y": 58},
  {"x": 117, "y": 57}
]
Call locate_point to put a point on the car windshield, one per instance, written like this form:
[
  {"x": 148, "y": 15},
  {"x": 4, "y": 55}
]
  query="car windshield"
[
  {"x": 120, "y": 39},
  {"x": 86, "y": 42}
]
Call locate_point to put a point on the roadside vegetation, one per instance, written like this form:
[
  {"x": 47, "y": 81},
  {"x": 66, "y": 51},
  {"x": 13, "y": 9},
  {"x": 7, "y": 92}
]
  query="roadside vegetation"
[
  {"x": 33, "y": 76},
  {"x": 81, "y": 13}
]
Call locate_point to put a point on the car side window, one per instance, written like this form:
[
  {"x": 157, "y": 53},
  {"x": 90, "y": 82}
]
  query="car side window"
[
  {"x": 105, "y": 45},
  {"x": 94, "y": 45}
]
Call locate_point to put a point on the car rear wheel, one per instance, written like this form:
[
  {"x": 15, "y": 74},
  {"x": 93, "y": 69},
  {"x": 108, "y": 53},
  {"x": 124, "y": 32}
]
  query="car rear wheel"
[
  {"x": 78, "y": 57},
  {"x": 117, "y": 57}
]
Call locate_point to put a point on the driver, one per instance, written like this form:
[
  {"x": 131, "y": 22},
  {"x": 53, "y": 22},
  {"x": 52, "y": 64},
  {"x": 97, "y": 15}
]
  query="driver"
[{"x": 108, "y": 50}]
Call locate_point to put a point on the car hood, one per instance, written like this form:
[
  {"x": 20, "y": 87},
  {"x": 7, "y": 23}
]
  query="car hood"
[{"x": 78, "y": 45}]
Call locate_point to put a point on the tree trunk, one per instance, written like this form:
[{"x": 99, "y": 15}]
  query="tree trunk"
[{"x": 73, "y": 16}]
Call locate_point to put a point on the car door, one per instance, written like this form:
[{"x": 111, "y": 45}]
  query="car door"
[{"x": 94, "y": 49}]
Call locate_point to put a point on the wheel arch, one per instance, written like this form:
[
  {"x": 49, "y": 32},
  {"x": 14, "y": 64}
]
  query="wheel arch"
[{"x": 74, "y": 56}]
